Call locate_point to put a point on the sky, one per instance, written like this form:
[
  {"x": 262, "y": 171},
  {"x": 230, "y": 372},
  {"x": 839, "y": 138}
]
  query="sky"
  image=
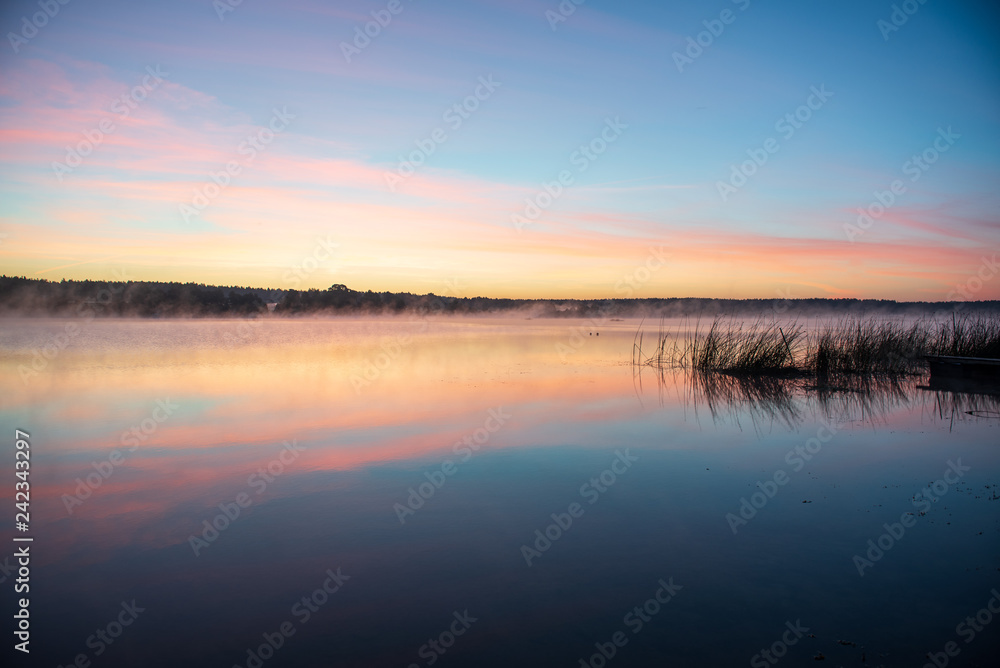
[{"x": 506, "y": 148}]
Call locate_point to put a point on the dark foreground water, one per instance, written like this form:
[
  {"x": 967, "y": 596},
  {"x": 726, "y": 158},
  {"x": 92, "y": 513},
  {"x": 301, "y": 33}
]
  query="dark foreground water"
[{"x": 481, "y": 493}]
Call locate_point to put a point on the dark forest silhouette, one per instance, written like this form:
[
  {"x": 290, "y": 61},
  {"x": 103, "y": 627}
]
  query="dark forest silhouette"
[{"x": 40, "y": 297}]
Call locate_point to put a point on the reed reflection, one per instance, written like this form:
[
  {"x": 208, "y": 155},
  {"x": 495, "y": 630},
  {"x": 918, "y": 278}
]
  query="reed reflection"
[{"x": 790, "y": 401}]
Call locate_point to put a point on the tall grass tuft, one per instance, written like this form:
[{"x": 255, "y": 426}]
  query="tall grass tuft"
[
  {"x": 737, "y": 348},
  {"x": 856, "y": 346},
  {"x": 971, "y": 336},
  {"x": 868, "y": 347}
]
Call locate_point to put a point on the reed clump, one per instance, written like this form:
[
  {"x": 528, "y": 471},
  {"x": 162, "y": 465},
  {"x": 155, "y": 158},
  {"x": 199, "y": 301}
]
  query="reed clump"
[
  {"x": 971, "y": 336},
  {"x": 868, "y": 347},
  {"x": 855, "y": 346},
  {"x": 737, "y": 348}
]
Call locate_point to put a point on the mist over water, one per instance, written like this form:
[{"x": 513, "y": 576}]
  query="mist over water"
[{"x": 489, "y": 491}]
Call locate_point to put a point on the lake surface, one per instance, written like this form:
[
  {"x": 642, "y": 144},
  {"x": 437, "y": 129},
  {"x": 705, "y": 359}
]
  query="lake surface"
[{"x": 482, "y": 492}]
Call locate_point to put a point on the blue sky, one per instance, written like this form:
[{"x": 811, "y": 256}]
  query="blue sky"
[{"x": 656, "y": 185}]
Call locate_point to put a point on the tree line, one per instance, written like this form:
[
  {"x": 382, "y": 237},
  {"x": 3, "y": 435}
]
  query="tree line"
[{"x": 151, "y": 299}]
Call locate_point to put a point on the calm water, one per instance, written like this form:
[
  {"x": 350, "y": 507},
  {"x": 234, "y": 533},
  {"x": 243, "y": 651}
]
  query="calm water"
[{"x": 414, "y": 468}]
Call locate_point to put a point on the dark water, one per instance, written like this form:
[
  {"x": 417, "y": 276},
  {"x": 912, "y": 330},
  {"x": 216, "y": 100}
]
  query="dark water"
[{"x": 322, "y": 436}]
